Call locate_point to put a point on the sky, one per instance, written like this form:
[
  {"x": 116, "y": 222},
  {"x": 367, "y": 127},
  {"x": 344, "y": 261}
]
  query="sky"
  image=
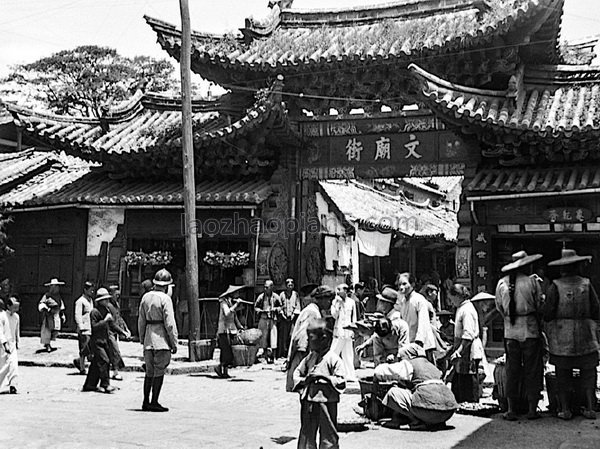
[{"x": 31, "y": 29}]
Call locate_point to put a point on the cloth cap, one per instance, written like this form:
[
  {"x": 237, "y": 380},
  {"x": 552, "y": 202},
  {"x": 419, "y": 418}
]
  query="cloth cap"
[
  {"x": 54, "y": 281},
  {"x": 232, "y": 289},
  {"x": 163, "y": 277},
  {"x": 520, "y": 259},
  {"x": 388, "y": 295},
  {"x": 568, "y": 257},
  {"x": 88, "y": 284},
  {"x": 101, "y": 294},
  {"x": 323, "y": 292}
]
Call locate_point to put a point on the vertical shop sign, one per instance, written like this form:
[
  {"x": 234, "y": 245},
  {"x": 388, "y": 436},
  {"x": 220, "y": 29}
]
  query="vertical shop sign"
[{"x": 482, "y": 259}]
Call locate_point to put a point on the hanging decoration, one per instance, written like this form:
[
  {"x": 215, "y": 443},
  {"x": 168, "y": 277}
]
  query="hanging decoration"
[
  {"x": 154, "y": 258},
  {"x": 234, "y": 259}
]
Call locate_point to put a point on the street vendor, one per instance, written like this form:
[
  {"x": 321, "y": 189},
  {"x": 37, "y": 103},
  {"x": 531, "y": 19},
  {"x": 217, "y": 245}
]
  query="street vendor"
[
  {"x": 227, "y": 328},
  {"x": 390, "y": 331},
  {"x": 421, "y": 397}
]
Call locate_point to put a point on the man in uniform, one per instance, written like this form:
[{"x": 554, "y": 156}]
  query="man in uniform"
[{"x": 158, "y": 333}]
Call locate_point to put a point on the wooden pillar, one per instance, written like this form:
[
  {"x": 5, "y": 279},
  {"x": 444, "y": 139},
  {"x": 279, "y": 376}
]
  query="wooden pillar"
[{"x": 189, "y": 186}]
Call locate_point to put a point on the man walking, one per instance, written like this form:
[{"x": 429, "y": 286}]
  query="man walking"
[
  {"x": 158, "y": 333},
  {"x": 101, "y": 320},
  {"x": 83, "y": 307}
]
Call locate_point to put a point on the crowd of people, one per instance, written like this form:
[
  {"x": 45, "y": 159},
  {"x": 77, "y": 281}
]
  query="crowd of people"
[{"x": 433, "y": 357}]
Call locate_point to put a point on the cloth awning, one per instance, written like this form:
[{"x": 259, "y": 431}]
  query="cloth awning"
[{"x": 374, "y": 210}]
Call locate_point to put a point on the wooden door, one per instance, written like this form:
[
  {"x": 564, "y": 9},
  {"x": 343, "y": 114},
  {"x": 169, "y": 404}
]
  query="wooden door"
[{"x": 34, "y": 264}]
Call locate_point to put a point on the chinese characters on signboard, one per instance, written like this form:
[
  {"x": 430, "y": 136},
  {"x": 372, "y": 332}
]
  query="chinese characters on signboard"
[
  {"x": 425, "y": 150},
  {"x": 482, "y": 259},
  {"x": 567, "y": 215}
]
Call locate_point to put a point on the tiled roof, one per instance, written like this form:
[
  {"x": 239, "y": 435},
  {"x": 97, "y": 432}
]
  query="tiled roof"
[
  {"x": 15, "y": 166},
  {"x": 567, "y": 108},
  {"x": 398, "y": 29},
  {"x": 535, "y": 180},
  {"x": 144, "y": 123},
  {"x": 363, "y": 204},
  {"x": 61, "y": 185}
]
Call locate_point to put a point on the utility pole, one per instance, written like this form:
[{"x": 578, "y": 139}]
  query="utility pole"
[{"x": 189, "y": 185}]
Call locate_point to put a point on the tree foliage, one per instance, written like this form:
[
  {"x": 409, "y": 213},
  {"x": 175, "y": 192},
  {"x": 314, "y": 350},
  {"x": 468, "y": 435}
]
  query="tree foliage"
[
  {"x": 87, "y": 80},
  {"x": 5, "y": 250}
]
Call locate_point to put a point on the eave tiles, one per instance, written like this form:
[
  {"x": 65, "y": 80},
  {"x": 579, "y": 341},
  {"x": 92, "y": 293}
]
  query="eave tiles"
[
  {"x": 297, "y": 40},
  {"x": 551, "y": 110},
  {"x": 560, "y": 179},
  {"x": 62, "y": 186},
  {"x": 144, "y": 123}
]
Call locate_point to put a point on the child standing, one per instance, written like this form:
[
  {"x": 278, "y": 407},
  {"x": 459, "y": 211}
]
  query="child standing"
[
  {"x": 319, "y": 379},
  {"x": 9, "y": 337}
]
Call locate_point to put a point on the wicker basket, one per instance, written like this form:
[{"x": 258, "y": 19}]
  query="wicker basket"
[
  {"x": 249, "y": 336},
  {"x": 372, "y": 393},
  {"x": 244, "y": 355},
  {"x": 368, "y": 385},
  {"x": 206, "y": 349}
]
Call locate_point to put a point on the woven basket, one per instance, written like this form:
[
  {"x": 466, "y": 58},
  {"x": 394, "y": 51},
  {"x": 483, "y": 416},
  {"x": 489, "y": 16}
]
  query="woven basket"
[
  {"x": 244, "y": 355},
  {"x": 249, "y": 337},
  {"x": 380, "y": 389}
]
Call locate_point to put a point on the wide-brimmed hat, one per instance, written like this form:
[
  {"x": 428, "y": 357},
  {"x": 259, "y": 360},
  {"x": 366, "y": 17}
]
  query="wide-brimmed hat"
[
  {"x": 163, "y": 277},
  {"x": 232, "y": 289},
  {"x": 482, "y": 296},
  {"x": 101, "y": 294},
  {"x": 388, "y": 294},
  {"x": 520, "y": 259},
  {"x": 569, "y": 256},
  {"x": 54, "y": 281}
]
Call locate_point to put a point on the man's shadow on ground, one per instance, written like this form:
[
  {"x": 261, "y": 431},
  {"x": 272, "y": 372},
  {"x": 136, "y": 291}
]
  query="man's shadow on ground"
[{"x": 214, "y": 376}]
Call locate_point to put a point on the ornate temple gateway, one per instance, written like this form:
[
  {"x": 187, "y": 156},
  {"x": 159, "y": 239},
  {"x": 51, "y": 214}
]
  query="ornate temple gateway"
[
  {"x": 472, "y": 88},
  {"x": 359, "y": 102}
]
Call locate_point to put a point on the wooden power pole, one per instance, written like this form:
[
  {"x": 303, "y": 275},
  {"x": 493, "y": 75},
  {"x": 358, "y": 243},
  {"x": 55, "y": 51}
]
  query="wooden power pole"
[{"x": 189, "y": 185}]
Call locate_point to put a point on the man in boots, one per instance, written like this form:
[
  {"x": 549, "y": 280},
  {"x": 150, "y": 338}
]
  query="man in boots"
[{"x": 158, "y": 333}]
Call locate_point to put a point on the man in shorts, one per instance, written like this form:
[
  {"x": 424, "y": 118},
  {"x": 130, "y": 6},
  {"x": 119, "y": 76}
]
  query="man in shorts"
[{"x": 158, "y": 334}]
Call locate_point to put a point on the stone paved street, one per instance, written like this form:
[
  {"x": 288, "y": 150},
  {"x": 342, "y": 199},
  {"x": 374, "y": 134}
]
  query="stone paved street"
[{"x": 250, "y": 411}]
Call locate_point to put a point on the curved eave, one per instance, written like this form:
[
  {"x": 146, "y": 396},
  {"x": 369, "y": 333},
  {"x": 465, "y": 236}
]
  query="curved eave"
[
  {"x": 169, "y": 37},
  {"x": 571, "y": 112},
  {"x": 94, "y": 144}
]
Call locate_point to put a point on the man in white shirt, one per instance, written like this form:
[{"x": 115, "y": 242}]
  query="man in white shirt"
[
  {"x": 83, "y": 307},
  {"x": 343, "y": 310}
]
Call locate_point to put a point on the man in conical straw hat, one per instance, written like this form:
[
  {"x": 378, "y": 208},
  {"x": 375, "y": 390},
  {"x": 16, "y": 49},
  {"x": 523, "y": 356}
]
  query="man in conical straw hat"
[
  {"x": 227, "y": 327},
  {"x": 519, "y": 301},
  {"x": 571, "y": 311}
]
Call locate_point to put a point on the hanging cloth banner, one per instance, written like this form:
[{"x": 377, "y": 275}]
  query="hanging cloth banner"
[{"x": 373, "y": 243}]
